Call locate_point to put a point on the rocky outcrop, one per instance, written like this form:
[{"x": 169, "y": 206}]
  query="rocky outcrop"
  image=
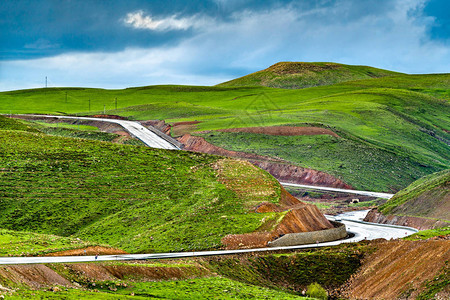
[
  {"x": 375, "y": 216},
  {"x": 278, "y": 168}
]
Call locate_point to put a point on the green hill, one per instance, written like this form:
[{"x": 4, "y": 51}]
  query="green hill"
[
  {"x": 298, "y": 75},
  {"x": 427, "y": 197},
  {"x": 392, "y": 130},
  {"x": 135, "y": 198}
]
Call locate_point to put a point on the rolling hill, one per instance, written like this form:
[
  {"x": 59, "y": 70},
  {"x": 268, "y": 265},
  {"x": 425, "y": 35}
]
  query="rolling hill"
[
  {"x": 136, "y": 198},
  {"x": 298, "y": 75},
  {"x": 388, "y": 131}
]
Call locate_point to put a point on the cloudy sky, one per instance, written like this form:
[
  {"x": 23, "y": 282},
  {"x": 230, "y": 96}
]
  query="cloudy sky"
[{"x": 117, "y": 44}]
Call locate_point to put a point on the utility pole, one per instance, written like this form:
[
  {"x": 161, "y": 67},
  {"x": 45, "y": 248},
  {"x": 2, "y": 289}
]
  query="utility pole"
[
  {"x": 89, "y": 104},
  {"x": 104, "y": 109},
  {"x": 116, "y": 103},
  {"x": 46, "y": 81}
]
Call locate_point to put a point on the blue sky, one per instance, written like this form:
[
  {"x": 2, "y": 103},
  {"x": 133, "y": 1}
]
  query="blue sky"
[{"x": 118, "y": 44}]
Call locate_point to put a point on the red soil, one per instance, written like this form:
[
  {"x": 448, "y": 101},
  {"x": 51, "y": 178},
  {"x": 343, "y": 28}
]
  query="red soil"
[
  {"x": 158, "y": 124},
  {"x": 89, "y": 251},
  {"x": 399, "y": 268},
  {"x": 276, "y": 167},
  {"x": 109, "y": 117},
  {"x": 283, "y": 130},
  {"x": 301, "y": 217}
]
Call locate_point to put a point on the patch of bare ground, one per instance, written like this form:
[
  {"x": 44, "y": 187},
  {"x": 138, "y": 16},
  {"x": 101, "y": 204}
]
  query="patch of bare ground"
[
  {"x": 398, "y": 270},
  {"x": 41, "y": 276},
  {"x": 420, "y": 223},
  {"x": 278, "y": 168},
  {"x": 116, "y": 117},
  {"x": 161, "y": 125},
  {"x": 181, "y": 128},
  {"x": 283, "y": 130},
  {"x": 175, "y": 129},
  {"x": 33, "y": 276},
  {"x": 136, "y": 270},
  {"x": 94, "y": 250},
  {"x": 282, "y": 68},
  {"x": 294, "y": 174}
]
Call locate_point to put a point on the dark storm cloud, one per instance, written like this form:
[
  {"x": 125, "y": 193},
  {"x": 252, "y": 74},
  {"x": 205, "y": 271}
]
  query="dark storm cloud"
[{"x": 137, "y": 42}]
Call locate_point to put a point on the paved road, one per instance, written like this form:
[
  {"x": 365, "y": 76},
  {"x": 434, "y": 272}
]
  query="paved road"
[
  {"x": 323, "y": 188},
  {"x": 136, "y": 129},
  {"x": 361, "y": 231}
]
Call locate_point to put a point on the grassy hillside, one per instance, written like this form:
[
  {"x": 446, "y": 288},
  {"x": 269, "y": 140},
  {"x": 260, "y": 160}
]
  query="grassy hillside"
[
  {"x": 298, "y": 75},
  {"x": 427, "y": 197},
  {"x": 135, "y": 198},
  {"x": 399, "y": 125}
]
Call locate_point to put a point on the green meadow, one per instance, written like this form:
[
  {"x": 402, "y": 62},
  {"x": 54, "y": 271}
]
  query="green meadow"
[{"x": 135, "y": 198}]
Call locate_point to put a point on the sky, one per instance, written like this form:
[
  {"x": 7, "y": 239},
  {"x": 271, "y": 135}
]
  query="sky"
[{"x": 119, "y": 44}]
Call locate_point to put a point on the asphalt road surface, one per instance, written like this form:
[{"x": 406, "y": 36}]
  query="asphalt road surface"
[{"x": 323, "y": 188}]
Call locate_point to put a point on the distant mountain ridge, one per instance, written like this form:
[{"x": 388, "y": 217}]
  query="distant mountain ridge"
[{"x": 298, "y": 75}]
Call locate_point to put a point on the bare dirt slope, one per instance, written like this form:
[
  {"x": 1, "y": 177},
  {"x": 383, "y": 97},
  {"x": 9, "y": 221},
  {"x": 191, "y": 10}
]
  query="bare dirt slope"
[
  {"x": 375, "y": 216},
  {"x": 279, "y": 169},
  {"x": 399, "y": 270}
]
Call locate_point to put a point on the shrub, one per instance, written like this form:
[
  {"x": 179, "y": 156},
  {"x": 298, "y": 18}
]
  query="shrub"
[{"x": 315, "y": 290}]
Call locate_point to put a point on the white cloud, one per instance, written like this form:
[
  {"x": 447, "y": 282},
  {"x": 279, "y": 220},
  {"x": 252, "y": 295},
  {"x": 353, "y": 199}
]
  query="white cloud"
[{"x": 140, "y": 21}]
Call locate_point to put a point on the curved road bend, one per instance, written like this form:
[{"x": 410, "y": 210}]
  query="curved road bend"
[{"x": 361, "y": 231}]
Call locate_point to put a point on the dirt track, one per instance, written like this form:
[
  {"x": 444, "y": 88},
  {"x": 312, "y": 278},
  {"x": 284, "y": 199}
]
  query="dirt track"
[{"x": 283, "y": 130}]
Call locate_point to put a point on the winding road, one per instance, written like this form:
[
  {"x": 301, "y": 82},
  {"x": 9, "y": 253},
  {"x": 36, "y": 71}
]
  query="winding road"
[
  {"x": 359, "y": 229},
  {"x": 353, "y": 221}
]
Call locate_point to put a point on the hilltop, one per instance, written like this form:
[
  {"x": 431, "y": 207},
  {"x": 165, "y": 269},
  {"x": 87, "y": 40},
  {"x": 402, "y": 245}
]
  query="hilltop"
[{"x": 298, "y": 75}]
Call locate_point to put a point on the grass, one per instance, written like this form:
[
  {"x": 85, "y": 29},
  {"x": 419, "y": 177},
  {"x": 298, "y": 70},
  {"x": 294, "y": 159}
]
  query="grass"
[
  {"x": 134, "y": 198},
  {"x": 18, "y": 243},
  {"x": 200, "y": 288},
  {"x": 426, "y": 234},
  {"x": 65, "y": 125},
  {"x": 403, "y": 117},
  {"x": 363, "y": 166},
  {"x": 330, "y": 267}
]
